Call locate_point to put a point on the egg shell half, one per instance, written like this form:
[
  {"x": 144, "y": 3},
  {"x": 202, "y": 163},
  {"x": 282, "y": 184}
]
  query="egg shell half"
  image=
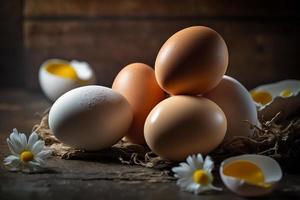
[
  {"x": 192, "y": 61},
  {"x": 137, "y": 83},
  {"x": 269, "y": 166},
  {"x": 183, "y": 125},
  {"x": 54, "y": 86},
  {"x": 235, "y": 101},
  {"x": 287, "y": 106},
  {"x": 90, "y": 117}
]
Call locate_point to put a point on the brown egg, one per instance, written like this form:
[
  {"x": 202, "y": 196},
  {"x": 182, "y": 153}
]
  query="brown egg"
[
  {"x": 137, "y": 83},
  {"x": 235, "y": 101},
  {"x": 183, "y": 125},
  {"x": 192, "y": 61}
]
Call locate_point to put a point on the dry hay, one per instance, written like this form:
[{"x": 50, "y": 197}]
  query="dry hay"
[{"x": 278, "y": 140}]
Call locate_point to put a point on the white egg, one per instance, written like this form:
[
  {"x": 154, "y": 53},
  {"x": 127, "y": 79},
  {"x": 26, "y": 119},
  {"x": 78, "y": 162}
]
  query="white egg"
[
  {"x": 283, "y": 96},
  {"x": 58, "y": 76},
  {"x": 235, "y": 101},
  {"x": 250, "y": 175},
  {"x": 90, "y": 117}
]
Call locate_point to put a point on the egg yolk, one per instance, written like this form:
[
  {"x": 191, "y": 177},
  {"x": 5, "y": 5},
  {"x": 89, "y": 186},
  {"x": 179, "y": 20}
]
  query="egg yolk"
[
  {"x": 261, "y": 97},
  {"x": 247, "y": 171},
  {"x": 286, "y": 93},
  {"x": 62, "y": 70}
]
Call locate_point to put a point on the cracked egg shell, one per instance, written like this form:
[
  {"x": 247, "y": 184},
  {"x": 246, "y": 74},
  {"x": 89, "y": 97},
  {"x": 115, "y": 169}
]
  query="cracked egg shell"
[
  {"x": 57, "y": 76},
  {"x": 283, "y": 96},
  {"x": 250, "y": 175}
]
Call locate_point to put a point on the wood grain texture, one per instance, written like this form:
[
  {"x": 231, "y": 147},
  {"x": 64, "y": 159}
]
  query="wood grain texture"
[
  {"x": 259, "y": 52},
  {"x": 10, "y": 8},
  {"x": 77, "y": 180},
  {"x": 204, "y": 8},
  {"x": 11, "y": 70}
]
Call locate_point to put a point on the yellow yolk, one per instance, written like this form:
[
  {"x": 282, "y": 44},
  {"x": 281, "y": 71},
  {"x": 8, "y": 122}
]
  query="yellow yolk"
[
  {"x": 26, "y": 156},
  {"x": 261, "y": 97},
  {"x": 201, "y": 177},
  {"x": 286, "y": 93},
  {"x": 247, "y": 171},
  {"x": 63, "y": 70}
]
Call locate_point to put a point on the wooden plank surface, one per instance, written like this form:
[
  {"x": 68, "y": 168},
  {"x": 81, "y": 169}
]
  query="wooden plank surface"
[
  {"x": 265, "y": 50},
  {"x": 262, "y": 36},
  {"x": 73, "y": 179},
  {"x": 204, "y": 8},
  {"x": 11, "y": 70}
]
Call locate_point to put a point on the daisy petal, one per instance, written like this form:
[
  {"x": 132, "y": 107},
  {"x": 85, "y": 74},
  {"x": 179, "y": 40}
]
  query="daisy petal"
[
  {"x": 13, "y": 164},
  {"x": 33, "y": 138},
  {"x": 193, "y": 187},
  {"x": 37, "y": 147},
  {"x": 44, "y": 154},
  {"x": 208, "y": 164},
  {"x": 16, "y": 141},
  {"x": 13, "y": 149},
  {"x": 214, "y": 187},
  {"x": 15, "y": 130},
  {"x": 185, "y": 166},
  {"x": 14, "y": 135},
  {"x": 10, "y": 159},
  {"x": 190, "y": 161},
  {"x": 34, "y": 166},
  {"x": 23, "y": 139},
  {"x": 199, "y": 161},
  {"x": 181, "y": 172},
  {"x": 184, "y": 182},
  {"x": 41, "y": 162}
]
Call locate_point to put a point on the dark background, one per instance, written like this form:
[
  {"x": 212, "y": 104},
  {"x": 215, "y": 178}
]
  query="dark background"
[{"x": 263, "y": 37}]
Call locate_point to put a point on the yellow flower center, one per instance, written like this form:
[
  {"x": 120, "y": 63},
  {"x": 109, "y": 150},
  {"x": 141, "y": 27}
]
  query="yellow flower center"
[
  {"x": 201, "y": 177},
  {"x": 26, "y": 156}
]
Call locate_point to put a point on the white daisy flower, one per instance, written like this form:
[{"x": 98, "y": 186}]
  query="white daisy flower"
[
  {"x": 27, "y": 156},
  {"x": 195, "y": 175}
]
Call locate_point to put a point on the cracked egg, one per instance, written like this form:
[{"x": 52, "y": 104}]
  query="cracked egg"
[
  {"x": 277, "y": 97},
  {"x": 57, "y": 76},
  {"x": 250, "y": 174}
]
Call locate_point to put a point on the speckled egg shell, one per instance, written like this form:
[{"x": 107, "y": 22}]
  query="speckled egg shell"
[{"x": 90, "y": 117}]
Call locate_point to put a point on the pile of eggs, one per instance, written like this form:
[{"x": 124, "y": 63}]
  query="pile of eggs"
[{"x": 186, "y": 105}]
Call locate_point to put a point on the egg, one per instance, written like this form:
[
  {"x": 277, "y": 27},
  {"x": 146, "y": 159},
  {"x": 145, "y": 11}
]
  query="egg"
[
  {"x": 283, "y": 96},
  {"x": 90, "y": 117},
  {"x": 58, "y": 76},
  {"x": 235, "y": 101},
  {"x": 137, "y": 83},
  {"x": 250, "y": 175},
  {"x": 183, "y": 125},
  {"x": 192, "y": 61}
]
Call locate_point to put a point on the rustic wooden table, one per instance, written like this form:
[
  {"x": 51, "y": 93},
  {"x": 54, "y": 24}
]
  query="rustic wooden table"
[{"x": 72, "y": 179}]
